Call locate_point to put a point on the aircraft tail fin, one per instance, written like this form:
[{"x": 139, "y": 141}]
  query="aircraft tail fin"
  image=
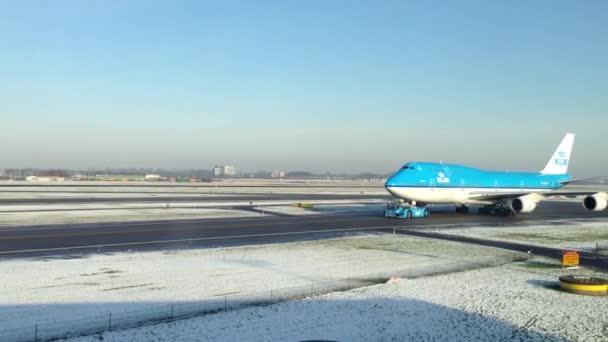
[{"x": 558, "y": 164}]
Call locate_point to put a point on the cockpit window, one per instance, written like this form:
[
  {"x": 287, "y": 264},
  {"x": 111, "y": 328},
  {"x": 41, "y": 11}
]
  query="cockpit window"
[{"x": 406, "y": 167}]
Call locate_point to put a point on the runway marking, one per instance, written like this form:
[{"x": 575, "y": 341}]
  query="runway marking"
[
  {"x": 209, "y": 220},
  {"x": 193, "y": 239},
  {"x": 160, "y": 230},
  {"x": 266, "y": 220},
  {"x": 127, "y": 224},
  {"x": 333, "y": 230},
  {"x": 152, "y": 223},
  {"x": 174, "y": 205}
]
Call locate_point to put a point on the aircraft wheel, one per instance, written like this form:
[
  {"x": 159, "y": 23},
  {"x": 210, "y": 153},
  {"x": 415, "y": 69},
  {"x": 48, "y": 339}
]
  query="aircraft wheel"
[
  {"x": 409, "y": 214},
  {"x": 426, "y": 212}
]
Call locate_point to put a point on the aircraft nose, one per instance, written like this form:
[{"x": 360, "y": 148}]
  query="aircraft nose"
[
  {"x": 392, "y": 190},
  {"x": 391, "y": 181}
]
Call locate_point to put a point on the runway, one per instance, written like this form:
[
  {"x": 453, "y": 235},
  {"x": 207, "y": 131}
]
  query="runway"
[
  {"x": 191, "y": 198},
  {"x": 81, "y": 239},
  {"x": 290, "y": 184}
]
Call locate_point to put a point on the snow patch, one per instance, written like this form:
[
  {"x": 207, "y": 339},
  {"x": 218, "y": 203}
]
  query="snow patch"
[{"x": 497, "y": 304}]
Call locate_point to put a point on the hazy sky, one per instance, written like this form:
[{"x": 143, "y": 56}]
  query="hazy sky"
[{"x": 318, "y": 85}]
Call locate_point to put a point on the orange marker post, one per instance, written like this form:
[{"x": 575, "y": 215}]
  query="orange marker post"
[{"x": 570, "y": 259}]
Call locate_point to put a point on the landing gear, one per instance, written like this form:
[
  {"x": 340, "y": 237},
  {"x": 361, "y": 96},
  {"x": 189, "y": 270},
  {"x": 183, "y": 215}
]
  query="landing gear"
[{"x": 462, "y": 209}]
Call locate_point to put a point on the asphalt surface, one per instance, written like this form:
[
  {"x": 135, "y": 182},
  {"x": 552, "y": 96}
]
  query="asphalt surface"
[
  {"x": 192, "y": 185},
  {"x": 587, "y": 259},
  {"x": 191, "y": 198},
  {"x": 75, "y": 240}
]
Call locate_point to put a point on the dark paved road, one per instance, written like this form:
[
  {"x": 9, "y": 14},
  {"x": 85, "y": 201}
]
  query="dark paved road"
[
  {"x": 192, "y": 198},
  {"x": 80, "y": 239},
  {"x": 588, "y": 259},
  {"x": 302, "y": 184}
]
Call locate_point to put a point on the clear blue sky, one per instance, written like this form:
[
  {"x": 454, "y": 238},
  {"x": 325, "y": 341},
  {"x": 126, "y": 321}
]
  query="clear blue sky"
[{"x": 317, "y": 85}]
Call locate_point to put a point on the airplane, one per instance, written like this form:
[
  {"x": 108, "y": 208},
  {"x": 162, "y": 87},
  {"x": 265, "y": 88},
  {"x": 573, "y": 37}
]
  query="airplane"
[{"x": 498, "y": 192}]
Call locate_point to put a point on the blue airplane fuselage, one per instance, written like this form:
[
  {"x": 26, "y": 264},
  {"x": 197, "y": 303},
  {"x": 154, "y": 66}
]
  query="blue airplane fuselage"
[
  {"x": 453, "y": 183},
  {"x": 441, "y": 175}
]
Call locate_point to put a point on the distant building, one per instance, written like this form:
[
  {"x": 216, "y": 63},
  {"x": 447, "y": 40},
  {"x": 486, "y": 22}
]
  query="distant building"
[
  {"x": 44, "y": 179},
  {"x": 224, "y": 170},
  {"x": 218, "y": 171},
  {"x": 229, "y": 170},
  {"x": 153, "y": 178},
  {"x": 278, "y": 174}
]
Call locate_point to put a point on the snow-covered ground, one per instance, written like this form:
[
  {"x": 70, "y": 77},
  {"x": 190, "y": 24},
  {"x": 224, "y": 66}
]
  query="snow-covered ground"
[
  {"x": 38, "y": 290},
  {"x": 319, "y": 205},
  {"x": 344, "y": 209},
  {"x": 106, "y": 189},
  {"x": 287, "y": 210},
  {"x": 232, "y": 182},
  {"x": 582, "y": 235},
  {"x": 327, "y": 207},
  {"x": 512, "y": 302},
  {"x": 115, "y": 215},
  {"x": 17, "y": 215},
  {"x": 100, "y": 195}
]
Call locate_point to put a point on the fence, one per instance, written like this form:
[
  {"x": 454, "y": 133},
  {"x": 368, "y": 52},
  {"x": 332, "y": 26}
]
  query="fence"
[
  {"x": 169, "y": 312},
  {"x": 601, "y": 247}
]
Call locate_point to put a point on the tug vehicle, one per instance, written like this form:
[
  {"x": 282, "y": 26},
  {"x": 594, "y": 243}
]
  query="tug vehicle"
[{"x": 397, "y": 210}]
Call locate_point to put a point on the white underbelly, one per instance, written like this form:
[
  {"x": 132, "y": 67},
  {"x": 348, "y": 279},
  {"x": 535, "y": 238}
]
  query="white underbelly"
[
  {"x": 450, "y": 195},
  {"x": 430, "y": 195}
]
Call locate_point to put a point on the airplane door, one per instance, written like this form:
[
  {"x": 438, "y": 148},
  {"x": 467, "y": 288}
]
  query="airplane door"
[{"x": 432, "y": 182}]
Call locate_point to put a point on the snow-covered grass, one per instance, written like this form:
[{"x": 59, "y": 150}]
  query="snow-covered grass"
[
  {"x": 329, "y": 207},
  {"x": 17, "y": 215},
  {"x": 115, "y": 215},
  {"x": 511, "y": 302},
  {"x": 106, "y": 189},
  {"x": 342, "y": 209},
  {"x": 162, "y": 205},
  {"x": 103, "y": 205},
  {"x": 287, "y": 210},
  {"x": 92, "y": 285},
  {"x": 582, "y": 235},
  {"x": 54, "y": 193},
  {"x": 233, "y": 182}
]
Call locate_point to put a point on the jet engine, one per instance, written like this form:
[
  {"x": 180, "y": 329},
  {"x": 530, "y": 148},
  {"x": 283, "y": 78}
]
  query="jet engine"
[
  {"x": 523, "y": 204},
  {"x": 596, "y": 202}
]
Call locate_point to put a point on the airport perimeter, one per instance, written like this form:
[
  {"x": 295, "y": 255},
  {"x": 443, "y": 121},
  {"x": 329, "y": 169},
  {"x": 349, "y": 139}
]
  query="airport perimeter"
[
  {"x": 168, "y": 312},
  {"x": 142, "y": 258}
]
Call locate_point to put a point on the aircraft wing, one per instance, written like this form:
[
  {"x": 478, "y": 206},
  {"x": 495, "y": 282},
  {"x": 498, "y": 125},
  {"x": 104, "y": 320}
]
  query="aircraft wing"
[
  {"x": 497, "y": 196},
  {"x": 583, "y": 179}
]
